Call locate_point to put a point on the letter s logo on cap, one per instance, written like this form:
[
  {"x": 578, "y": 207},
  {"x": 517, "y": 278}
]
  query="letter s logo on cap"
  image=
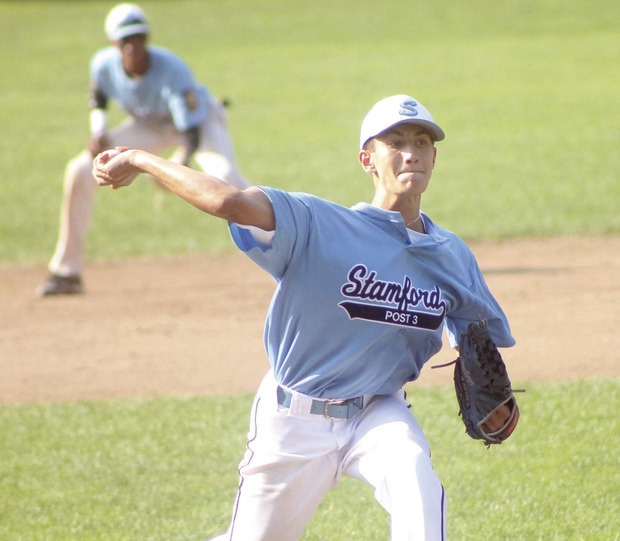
[{"x": 409, "y": 108}]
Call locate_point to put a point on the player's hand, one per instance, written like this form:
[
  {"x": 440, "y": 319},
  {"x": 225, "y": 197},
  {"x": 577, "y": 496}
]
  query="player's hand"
[
  {"x": 497, "y": 419},
  {"x": 113, "y": 168}
]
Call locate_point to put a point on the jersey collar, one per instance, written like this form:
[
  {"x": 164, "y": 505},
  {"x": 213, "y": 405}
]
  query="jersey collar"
[{"x": 393, "y": 223}]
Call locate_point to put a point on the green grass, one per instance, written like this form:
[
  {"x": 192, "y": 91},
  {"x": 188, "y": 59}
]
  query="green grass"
[
  {"x": 526, "y": 92},
  {"x": 166, "y": 469}
]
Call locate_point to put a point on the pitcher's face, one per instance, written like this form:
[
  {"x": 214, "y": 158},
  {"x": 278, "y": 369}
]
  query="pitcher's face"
[{"x": 401, "y": 159}]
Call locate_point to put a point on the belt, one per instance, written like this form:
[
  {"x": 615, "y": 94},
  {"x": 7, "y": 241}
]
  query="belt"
[{"x": 330, "y": 409}]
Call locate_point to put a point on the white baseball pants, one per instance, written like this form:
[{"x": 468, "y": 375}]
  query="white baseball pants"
[
  {"x": 214, "y": 156},
  {"x": 294, "y": 457}
]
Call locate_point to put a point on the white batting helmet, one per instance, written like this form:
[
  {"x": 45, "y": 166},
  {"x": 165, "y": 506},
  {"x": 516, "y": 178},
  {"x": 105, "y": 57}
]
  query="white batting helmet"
[{"x": 125, "y": 20}]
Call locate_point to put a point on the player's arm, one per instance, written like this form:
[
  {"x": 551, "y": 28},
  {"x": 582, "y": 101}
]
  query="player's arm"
[
  {"x": 207, "y": 193},
  {"x": 98, "y": 141}
]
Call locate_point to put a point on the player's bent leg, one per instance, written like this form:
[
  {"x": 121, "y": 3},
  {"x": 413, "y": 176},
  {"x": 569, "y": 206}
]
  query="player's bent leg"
[
  {"x": 67, "y": 262},
  {"x": 75, "y": 215},
  {"x": 289, "y": 465},
  {"x": 275, "y": 503},
  {"x": 216, "y": 153},
  {"x": 391, "y": 453},
  {"x": 220, "y": 167}
]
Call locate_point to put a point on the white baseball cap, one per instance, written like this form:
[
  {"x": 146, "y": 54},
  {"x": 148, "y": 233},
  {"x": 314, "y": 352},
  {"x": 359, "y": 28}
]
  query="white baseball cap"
[
  {"x": 395, "y": 110},
  {"x": 125, "y": 20}
]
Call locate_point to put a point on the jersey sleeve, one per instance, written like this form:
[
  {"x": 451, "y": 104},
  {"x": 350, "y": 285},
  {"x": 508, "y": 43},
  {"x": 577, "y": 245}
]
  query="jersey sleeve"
[
  {"x": 188, "y": 102},
  {"x": 293, "y": 222},
  {"x": 100, "y": 73},
  {"x": 475, "y": 302}
]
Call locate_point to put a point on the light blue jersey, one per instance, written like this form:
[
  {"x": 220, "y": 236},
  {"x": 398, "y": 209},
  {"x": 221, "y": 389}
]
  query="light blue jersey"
[
  {"x": 354, "y": 274},
  {"x": 166, "y": 93}
]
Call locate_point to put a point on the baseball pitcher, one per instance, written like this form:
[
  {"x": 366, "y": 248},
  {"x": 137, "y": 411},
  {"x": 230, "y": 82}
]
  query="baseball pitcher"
[{"x": 363, "y": 296}]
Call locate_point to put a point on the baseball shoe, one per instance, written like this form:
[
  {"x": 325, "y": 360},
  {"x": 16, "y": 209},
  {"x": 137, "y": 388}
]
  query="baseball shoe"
[{"x": 61, "y": 285}]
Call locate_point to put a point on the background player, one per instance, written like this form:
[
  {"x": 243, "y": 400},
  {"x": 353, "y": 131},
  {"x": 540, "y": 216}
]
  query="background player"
[
  {"x": 167, "y": 109},
  {"x": 362, "y": 296}
]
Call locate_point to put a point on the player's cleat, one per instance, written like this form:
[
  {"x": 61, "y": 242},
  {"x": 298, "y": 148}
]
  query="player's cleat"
[{"x": 61, "y": 285}]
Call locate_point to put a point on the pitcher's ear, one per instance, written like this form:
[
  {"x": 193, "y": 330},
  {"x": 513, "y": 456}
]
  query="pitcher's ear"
[{"x": 366, "y": 160}]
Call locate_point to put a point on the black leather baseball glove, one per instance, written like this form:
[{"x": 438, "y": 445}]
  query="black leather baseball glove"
[{"x": 482, "y": 385}]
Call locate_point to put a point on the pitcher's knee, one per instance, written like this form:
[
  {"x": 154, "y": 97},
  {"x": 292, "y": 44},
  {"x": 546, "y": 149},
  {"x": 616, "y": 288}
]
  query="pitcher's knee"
[
  {"x": 410, "y": 479},
  {"x": 79, "y": 169}
]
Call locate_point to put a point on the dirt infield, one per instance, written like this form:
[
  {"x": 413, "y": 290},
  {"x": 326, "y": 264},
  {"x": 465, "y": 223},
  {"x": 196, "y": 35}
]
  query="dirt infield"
[{"x": 193, "y": 324}]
